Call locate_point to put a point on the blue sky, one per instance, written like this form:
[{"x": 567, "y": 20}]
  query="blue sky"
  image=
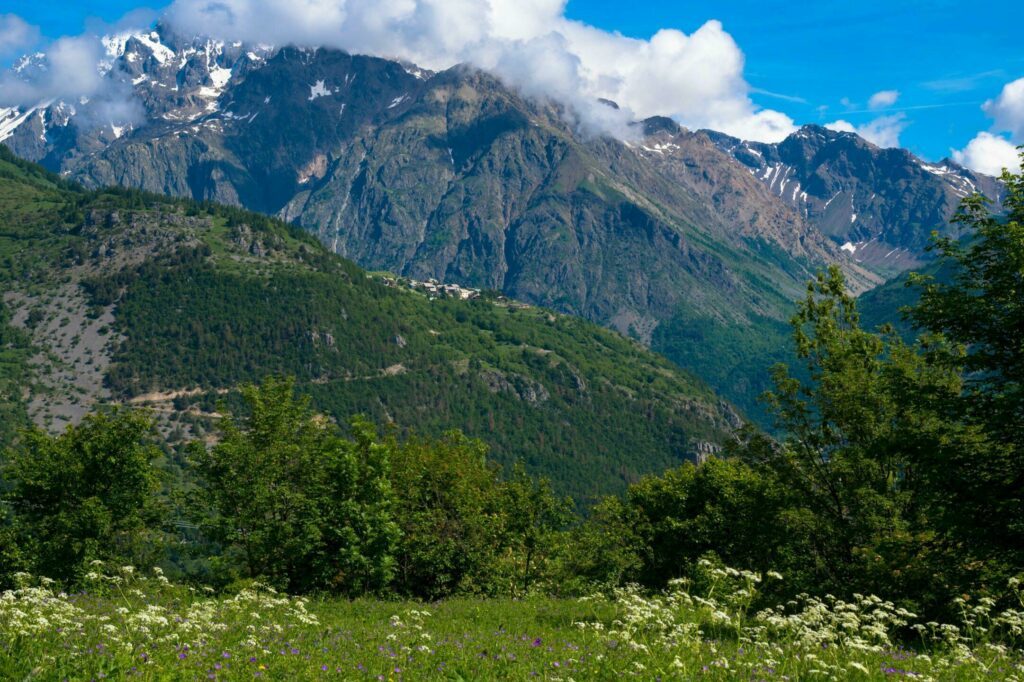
[
  {"x": 815, "y": 61},
  {"x": 58, "y": 18},
  {"x": 945, "y": 58}
]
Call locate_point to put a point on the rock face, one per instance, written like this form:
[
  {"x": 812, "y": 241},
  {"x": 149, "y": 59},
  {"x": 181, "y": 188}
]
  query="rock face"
[
  {"x": 666, "y": 236},
  {"x": 880, "y": 205}
]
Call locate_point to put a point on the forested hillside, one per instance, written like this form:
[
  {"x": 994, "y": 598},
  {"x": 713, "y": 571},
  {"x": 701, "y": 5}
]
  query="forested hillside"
[{"x": 122, "y": 297}]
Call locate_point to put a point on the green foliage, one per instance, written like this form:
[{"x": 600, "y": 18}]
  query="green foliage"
[
  {"x": 720, "y": 507},
  {"x": 979, "y": 314},
  {"x": 448, "y": 502},
  {"x": 195, "y": 309},
  {"x": 897, "y": 468},
  {"x": 534, "y": 515},
  {"x": 294, "y": 501},
  {"x": 84, "y": 495},
  {"x": 981, "y": 308},
  {"x": 604, "y": 552},
  {"x": 853, "y": 434},
  {"x": 282, "y": 496},
  {"x": 863, "y": 437},
  {"x": 465, "y": 530}
]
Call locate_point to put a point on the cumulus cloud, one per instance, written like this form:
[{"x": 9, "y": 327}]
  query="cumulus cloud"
[
  {"x": 883, "y": 131},
  {"x": 841, "y": 126},
  {"x": 883, "y": 99},
  {"x": 696, "y": 78},
  {"x": 989, "y": 154},
  {"x": 16, "y": 34},
  {"x": 1007, "y": 110}
]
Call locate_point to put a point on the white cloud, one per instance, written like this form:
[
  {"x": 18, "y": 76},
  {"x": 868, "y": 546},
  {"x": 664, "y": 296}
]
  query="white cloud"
[
  {"x": 16, "y": 33},
  {"x": 696, "y": 78},
  {"x": 1007, "y": 110},
  {"x": 883, "y": 99},
  {"x": 70, "y": 72},
  {"x": 841, "y": 126},
  {"x": 989, "y": 154},
  {"x": 884, "y": 131}
]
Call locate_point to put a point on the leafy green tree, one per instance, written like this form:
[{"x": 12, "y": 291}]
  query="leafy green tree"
[
  {"x": 721, "y": 506},
  {"x": 449, "y": 507},
  {"x": 607, "y": 550},
  {"x": 295, "y": 502},
  {"x": 854, "y": 434},
  {"x": 979, "y": 488},
  {"x": 535, "y": 518},
  {"x": 836, "y": 428},
  {"x": 87, "y": 494}
]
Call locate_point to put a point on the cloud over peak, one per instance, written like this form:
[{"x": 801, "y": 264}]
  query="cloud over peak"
[
  {"x": 696, "y": 78},
  {"x": 883, "y": 132},
  {"x": 70, "y": 69},
  {"x": 988, "y": 152},
  {"x": 1007, "y": 110},
  {"x": 16, "y": 34},
  {"x": 73, "y": 69}
]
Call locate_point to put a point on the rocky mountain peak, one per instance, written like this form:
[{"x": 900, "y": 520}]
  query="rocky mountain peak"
[
  {"x": 879, "y": 205},
  {"x": 660, "y": 124}
]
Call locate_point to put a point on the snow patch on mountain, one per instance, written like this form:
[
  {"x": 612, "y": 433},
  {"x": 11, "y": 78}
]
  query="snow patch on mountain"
[
  {"x": 11, "y": 119},
  {"x": 318, "y": 89}
]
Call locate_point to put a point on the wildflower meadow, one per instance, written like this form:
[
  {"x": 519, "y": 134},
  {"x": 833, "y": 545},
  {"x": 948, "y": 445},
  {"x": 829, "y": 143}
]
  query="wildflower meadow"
[{"x": 124, "y": 625}]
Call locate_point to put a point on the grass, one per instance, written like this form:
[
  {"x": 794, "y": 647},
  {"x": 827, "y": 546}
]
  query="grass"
[{"x": 126, "y": 627}]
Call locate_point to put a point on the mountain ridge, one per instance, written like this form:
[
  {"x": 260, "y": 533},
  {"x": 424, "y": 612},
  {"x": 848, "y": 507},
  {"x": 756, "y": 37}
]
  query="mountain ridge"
[
  {"x": 881, "y": 205},
  {"x": 665, "y": 237},
  {"x": 122, "y": 297}
]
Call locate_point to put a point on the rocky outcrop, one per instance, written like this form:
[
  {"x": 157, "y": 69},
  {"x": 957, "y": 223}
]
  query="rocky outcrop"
[
  {"x": 523, "y": 388},
  {"x": 879, "y": 205}
]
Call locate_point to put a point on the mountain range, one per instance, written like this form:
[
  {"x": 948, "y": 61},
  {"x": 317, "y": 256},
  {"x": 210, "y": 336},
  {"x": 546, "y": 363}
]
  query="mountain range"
[
  {"x": 691, "y": 242},
  {"x": 118, "y": 297},
  {"x": 881, "y": 204}
]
